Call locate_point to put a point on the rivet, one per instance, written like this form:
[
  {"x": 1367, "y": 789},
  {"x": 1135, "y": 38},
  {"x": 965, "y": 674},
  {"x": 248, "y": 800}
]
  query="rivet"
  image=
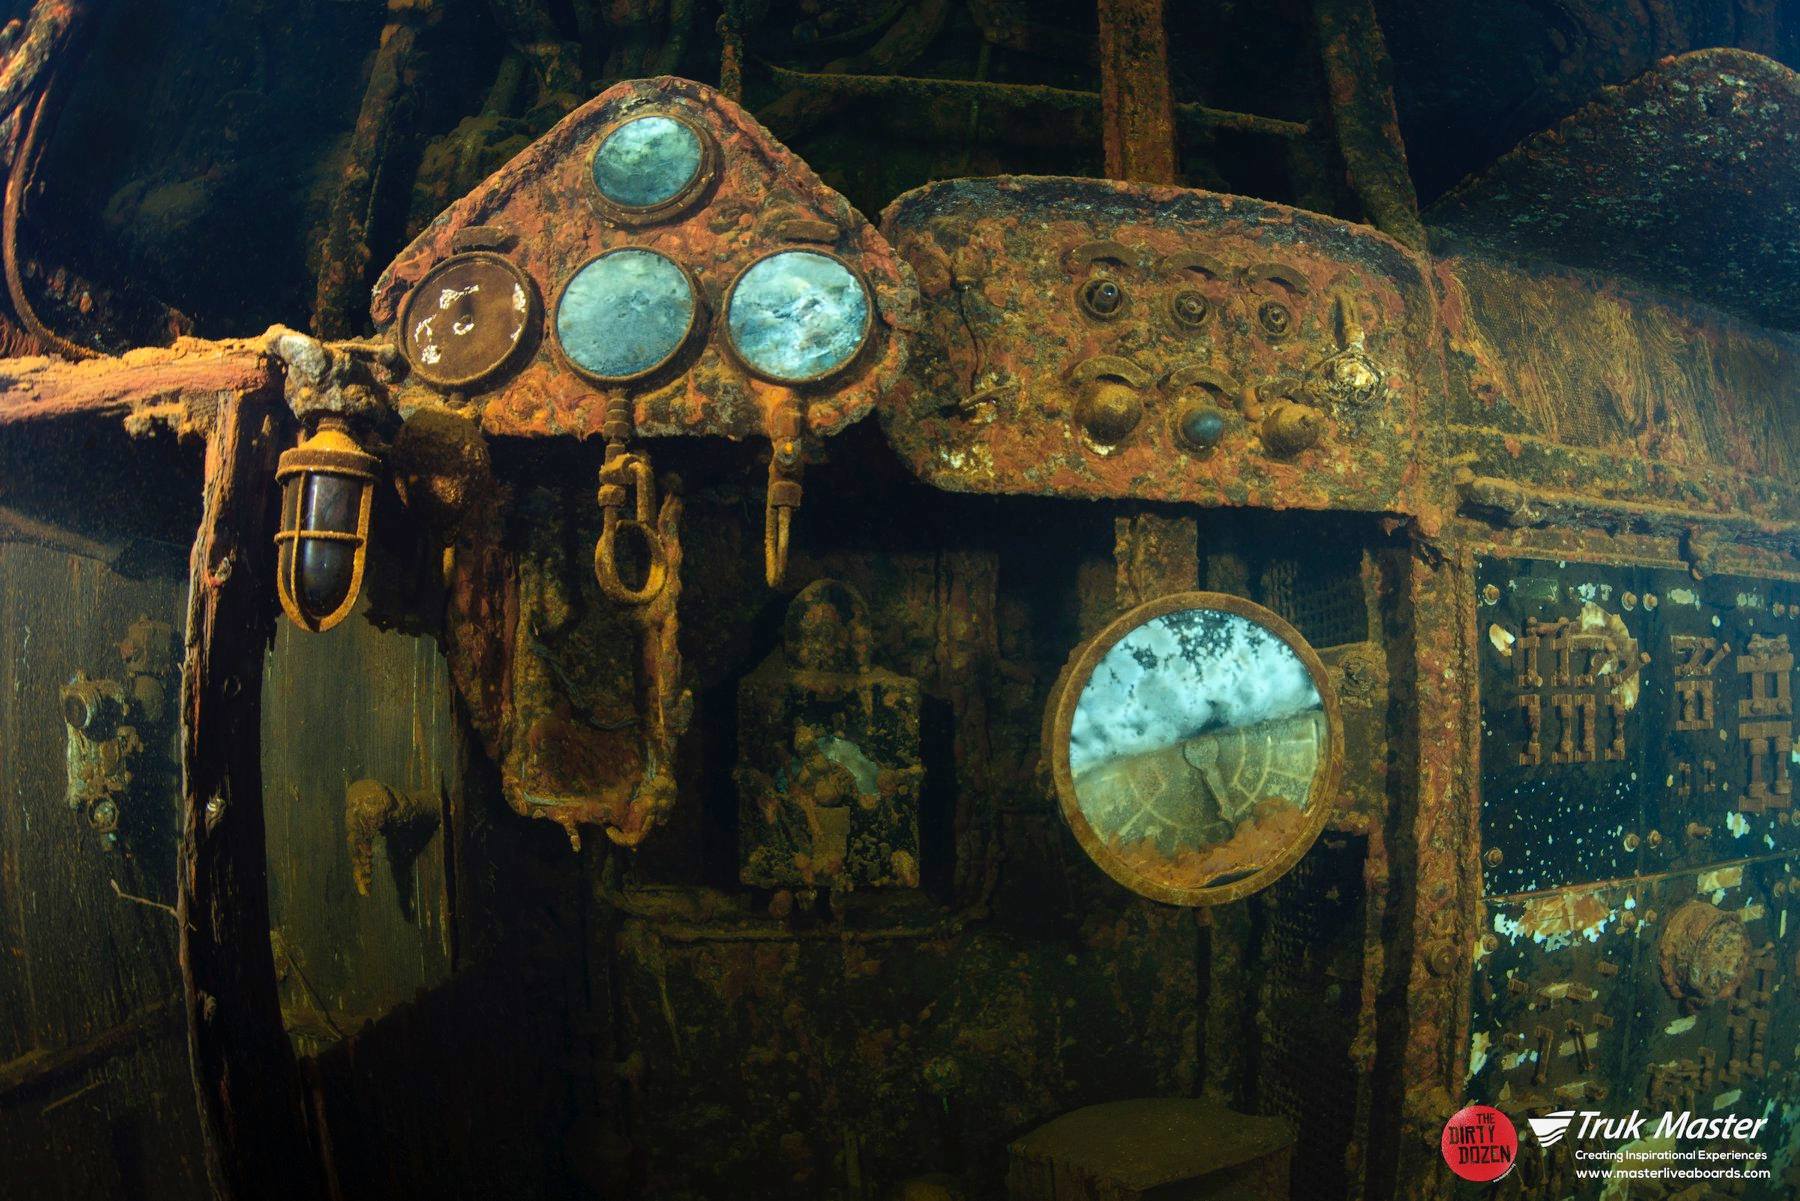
[
  {"x": 1490, "y": 594},
  {"x": 1495, "y": 857}
]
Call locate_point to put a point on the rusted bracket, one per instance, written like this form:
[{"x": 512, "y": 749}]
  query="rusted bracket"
[
  {"x": 626, "y": 481},
  {"x": 372, "y": 809},
  {"x": 785, "y": 420},
  {"x": 251, "y": 1117}
]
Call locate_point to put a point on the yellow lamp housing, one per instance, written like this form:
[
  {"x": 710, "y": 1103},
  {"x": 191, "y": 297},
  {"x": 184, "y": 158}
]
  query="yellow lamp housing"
[{"x": 327, "y": 490}]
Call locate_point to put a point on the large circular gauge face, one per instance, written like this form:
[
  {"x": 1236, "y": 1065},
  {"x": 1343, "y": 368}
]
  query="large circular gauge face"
[
  {"x": 466, "y": 319},
  {"x": 625, "y": 314},
  {"x": 650, "y": 163},
  {"x": 797, "y": 316},
  {"x": 1196, "y": 748}
]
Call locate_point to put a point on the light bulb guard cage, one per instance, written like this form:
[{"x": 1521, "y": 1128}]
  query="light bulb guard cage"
[{"x": 330, "y": 451}]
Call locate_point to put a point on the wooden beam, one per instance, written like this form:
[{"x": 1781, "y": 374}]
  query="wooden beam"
[
  {"x": 183, "y": 384},
  {"x": 1137, "y": 100},
  {"x": 38, "y": 1070},
  {"x": 248, "y": 1084}
]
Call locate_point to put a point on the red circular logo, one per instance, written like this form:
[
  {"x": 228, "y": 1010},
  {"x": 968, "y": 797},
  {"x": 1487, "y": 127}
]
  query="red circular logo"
[{"x": 1480, "y": 1143}]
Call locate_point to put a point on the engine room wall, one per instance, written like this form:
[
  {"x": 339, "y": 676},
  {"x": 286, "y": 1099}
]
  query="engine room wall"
[
  {"x": 817, "y": 1042},
  {"x": 435, "y": 1016},
  {"x": 95, "y": 1096}
]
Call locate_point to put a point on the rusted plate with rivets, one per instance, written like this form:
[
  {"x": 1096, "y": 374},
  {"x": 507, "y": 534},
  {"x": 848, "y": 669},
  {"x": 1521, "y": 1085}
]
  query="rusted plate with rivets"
[
  {"x": 1091, "y": 338},
  {"x": 722, "y": 196}
]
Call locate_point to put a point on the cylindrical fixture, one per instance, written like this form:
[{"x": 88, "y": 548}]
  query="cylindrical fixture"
[{"x": 327, "y": 490}]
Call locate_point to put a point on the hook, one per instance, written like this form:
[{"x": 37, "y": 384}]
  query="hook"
[{"x": 621, "y": 475}]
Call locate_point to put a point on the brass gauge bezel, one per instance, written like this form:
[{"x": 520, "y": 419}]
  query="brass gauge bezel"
[
  {"x": 1059, "y": 718},
  {"x": 865, "y": 337},
  {"x": 695, "y": 319},
  {"x": 677, "y": 205},
  {"x": 533, "y": 315}
]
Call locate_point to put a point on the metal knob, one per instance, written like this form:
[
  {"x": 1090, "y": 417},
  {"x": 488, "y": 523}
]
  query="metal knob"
[
  {"x": 1108, "y": 411},
  {"x": 1290, "y": 428}
]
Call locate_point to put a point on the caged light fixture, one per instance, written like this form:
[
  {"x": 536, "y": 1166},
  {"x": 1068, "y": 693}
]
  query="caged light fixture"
[{"x": 327, "y": 490}]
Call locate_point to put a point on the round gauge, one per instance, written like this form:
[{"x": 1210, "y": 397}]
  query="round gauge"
[
  {"x": 648, "y": 165},
  {"x": 798, "y": 316},
  {"x": 1196, "y": 746},
  {"x": 625, "y": 314},
  {"x": 467, "y": 318}
]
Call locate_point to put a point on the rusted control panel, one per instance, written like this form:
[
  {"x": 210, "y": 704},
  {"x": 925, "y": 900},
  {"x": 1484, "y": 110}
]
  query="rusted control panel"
[
  {"x": 1637, "y": 841},
  {"x": 1098, "y": 339},
  {"x": 659, "y": 244}
]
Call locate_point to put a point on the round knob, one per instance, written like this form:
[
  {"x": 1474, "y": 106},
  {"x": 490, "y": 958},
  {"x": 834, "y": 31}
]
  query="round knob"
[
  {"x": 1290, "y": 428},
  {"x": 1108, "y": 411},
  {"x": 1705, "y": 953},
  {"x": 1199, "y": 425}
]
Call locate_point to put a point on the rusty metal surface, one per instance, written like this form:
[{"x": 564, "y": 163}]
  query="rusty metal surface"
[
  {"x": 1663, "y": 993},
  {"x": 1687, "y": 178},
  {"x": 1631, "y": 947},
  {"x": 1070, "y": 324},
  {"x": 1587, "y": 422},
  {"x": 1634, "y": 721},
  {"x": 1137, "y": 100},
  {"x": 545, "y": 205},
  {"x": 1583, "y": 393}
]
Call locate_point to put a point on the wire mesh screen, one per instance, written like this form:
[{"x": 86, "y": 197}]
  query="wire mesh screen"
[
  {"x": 1312, "y": 948},
  {"x": 1321, "y": 595}
]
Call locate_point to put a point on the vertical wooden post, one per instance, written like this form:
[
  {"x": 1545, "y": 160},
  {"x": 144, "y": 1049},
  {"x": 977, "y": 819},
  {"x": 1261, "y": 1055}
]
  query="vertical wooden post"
[
  {"x": 1136, "y": 101},
  {"x": 245, "y": 1075}
]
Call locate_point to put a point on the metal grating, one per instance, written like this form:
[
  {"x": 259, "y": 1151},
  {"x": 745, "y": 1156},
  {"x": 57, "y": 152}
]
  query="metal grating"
[
  {"x": 1321, "y": 596},
  {"x": 1312, "y": 950}
]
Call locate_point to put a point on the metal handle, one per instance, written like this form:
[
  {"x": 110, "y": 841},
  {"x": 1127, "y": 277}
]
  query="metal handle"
[{"x": 621, "y": 477}]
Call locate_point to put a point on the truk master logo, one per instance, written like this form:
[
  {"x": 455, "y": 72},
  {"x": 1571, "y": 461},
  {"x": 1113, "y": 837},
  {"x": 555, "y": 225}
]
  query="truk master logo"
[
  {"x": 1551, "y": 1127},
  {"x": 1479, "y": 1144}
]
